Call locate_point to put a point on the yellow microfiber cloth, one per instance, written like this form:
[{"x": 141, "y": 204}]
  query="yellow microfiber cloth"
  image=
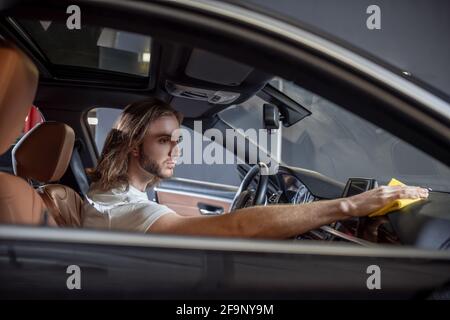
[{"x": 397, "y": 204}]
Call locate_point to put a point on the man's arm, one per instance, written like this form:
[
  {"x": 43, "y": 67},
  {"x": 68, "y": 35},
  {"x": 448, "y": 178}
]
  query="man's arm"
[{"x": 284, "y": 221}]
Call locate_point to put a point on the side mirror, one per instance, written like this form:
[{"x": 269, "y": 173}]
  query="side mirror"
[{"x": 271, "y": 116}]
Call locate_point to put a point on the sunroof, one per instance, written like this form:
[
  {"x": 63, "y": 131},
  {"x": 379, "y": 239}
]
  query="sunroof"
[{"x": 91, "y": 46}]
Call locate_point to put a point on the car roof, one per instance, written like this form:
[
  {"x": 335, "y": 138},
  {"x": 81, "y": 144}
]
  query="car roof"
[{"x": 291, "y": 12}]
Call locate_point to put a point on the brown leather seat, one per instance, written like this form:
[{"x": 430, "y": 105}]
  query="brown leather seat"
[
  {"x": 43, "y": 155},
  {"x": 19, "y": 202}
]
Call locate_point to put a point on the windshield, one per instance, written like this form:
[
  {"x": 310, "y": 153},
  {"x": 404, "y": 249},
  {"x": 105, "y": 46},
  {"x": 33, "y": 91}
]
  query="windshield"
[{"x": 340, "y": 145}]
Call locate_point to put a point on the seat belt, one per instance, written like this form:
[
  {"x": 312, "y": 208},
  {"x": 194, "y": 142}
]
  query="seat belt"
[{"x": 78, "y": 169}]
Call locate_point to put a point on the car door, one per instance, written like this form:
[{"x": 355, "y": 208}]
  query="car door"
[
  {"x": 190, "y": 197},
  {"x": 149, "y": 266},
  {"x": 80, "y": 264}
]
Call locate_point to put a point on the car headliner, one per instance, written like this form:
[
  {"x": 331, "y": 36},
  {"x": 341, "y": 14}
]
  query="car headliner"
[{"x": 79, "y": 88}]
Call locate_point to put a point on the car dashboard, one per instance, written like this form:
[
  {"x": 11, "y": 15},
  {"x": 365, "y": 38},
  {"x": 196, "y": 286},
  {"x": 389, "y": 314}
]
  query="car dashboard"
[{"x": 425, "y": 224}]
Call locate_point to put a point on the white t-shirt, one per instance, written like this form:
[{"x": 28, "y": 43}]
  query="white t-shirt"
[{"x": 124, "y": 208}]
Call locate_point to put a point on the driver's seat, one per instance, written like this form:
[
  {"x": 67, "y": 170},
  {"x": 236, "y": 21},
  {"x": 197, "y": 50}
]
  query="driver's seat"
[{"x": 42, "y": 156}]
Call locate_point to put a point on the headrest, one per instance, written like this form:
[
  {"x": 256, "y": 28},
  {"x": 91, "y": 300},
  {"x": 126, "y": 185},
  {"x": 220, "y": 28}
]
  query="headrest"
[
  {"x": 43, "y": 154},
  {"x": 18, "y": 83}
]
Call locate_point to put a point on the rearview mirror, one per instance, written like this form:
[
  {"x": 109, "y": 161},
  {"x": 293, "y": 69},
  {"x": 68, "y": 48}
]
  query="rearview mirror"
[{"x": 271, "y": 117}]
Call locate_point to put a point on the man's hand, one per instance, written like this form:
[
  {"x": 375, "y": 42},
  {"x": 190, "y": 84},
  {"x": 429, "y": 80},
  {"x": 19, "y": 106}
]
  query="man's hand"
[{"x": 365, "y": 203}]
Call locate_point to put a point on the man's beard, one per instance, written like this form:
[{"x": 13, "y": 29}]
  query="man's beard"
[{"x": 149, "y": 165}]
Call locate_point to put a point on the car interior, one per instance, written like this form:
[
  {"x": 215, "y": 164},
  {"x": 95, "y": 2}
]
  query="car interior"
[{"x": 47, "y": 180}]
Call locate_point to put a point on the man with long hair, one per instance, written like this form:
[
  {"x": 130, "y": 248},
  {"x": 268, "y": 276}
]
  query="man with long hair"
[{"x": 140, "y": 150}]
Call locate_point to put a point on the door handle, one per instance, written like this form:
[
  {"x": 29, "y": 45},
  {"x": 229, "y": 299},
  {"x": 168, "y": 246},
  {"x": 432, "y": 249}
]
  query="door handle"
[{"x": 209, "y": 210}]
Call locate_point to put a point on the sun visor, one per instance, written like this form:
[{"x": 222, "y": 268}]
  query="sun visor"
[{"x": 206, "y": 66}]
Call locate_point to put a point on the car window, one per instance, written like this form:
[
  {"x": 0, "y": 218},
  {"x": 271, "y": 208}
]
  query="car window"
[
  {"x": 222, "y": 173},
  {"x": 340, "y": 145},
  {"x": 101, "y": 120}
]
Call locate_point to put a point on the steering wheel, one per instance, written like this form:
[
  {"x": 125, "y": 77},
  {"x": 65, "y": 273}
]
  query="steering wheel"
[{"x": 245, "y": 197}]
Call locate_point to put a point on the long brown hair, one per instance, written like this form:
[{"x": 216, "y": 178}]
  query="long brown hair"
[{"x": 128, "y": 132}]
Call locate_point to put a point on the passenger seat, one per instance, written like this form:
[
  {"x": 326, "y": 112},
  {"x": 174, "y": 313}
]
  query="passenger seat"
[{"x": 42, "y": 156}]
